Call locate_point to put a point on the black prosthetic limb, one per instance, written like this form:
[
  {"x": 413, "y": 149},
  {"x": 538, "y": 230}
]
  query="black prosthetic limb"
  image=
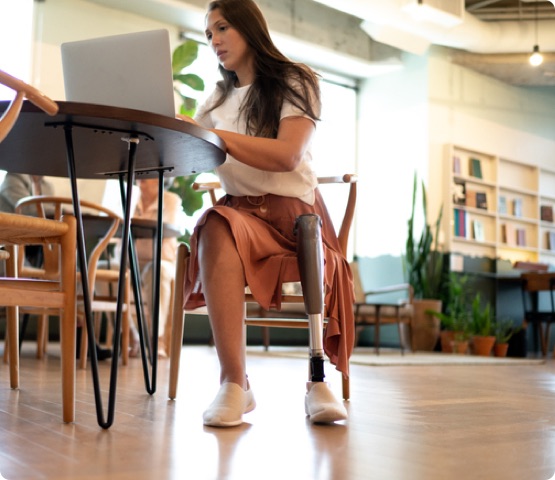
[{"x": 310, "y": 256}]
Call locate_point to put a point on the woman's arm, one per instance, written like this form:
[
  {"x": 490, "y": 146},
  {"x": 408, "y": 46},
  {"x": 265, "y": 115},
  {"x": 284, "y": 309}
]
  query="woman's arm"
[{"x": 281, "y": 154}]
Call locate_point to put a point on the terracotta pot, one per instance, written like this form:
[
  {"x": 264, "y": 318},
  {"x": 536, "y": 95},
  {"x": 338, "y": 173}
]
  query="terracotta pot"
[
  {"x": 425, "y": 327},
  {"x": 483, "y": 345},
  {"x": 500, "y": 349},
  {"x": 459, "y": 346},
  {"x": 447, "y": 337}
]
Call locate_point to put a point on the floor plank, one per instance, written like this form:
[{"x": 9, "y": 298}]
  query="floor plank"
[{"x": 406, "y": 422}]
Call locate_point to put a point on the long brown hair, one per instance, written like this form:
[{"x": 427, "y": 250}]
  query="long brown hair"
[{"x": 276, "y": 77}]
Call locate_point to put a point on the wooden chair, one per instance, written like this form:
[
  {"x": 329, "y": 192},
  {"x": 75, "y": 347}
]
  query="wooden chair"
[
  {"x": 16, "y": 290},
  {"x": 106, "y": 224},
  {"x": 381, "y": 306},
  {"x": 257, "y": 317},
  {"x": 23, "y": 91},
  {"x": 538, "y": 314}
]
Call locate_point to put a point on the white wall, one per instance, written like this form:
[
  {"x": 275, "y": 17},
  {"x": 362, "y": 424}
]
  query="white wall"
[{"x": 393, "y": 132}]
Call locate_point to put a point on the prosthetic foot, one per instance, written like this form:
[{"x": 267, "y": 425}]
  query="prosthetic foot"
[{"x": 320, "y": 404}]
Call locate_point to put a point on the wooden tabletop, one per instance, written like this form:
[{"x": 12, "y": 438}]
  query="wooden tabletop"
[{"x": 37, "y": 145}]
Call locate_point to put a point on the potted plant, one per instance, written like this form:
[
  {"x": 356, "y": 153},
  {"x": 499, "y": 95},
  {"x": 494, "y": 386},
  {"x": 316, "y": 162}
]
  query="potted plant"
[
  {"x": 503, "y": 330},
  {"x": 183, "y": 57},
  {"x": 482, "y": 326},
  {"x": 424, "y": 271},
  {"x": 455, "y": 317}
]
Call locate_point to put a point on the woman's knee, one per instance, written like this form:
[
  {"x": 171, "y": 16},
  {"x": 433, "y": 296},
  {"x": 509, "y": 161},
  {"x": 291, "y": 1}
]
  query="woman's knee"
[{"x": 215, "y": 232}]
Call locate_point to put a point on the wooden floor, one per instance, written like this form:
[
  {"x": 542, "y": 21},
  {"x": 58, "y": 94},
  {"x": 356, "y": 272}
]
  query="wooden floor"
[{"x": 406, "y": 422}]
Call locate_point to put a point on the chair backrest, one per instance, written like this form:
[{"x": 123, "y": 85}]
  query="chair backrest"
[
  {"x": 537, "y": 282},
  {"x": 54, "y": 207},
  {"x": 348, "y": 214},
  {"x": 23, "y": 90},
  {"x": 531, "y": 266}
]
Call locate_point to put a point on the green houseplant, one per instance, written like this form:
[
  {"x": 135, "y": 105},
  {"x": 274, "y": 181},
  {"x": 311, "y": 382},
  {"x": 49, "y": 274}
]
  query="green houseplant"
[
  {"x": 504, "y": 329},
  {"x": 424, "y": 271},
  {"x": 455, "y": 319},
  {"x": 482, "y": 327},
  {"x": 183, "y": 57}
]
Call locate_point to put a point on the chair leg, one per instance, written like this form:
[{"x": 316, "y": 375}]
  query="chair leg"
[
  {"x": 6, "y": 344},
  {"x": 178, "y": 319},
  {"x": 12, "y": 336},
  {"x": 546, "y": 338},
  {"x": 12, "y": 324},
  {"x": 23, "y": 329},
  {"x": 377, "y": 330},
  {"x": 84, "y": 347},
  {"x": 346, "y": 387},
  {"x": 126, "y": 322},
  {"x": 311, "y": 268},
  {"x": 266, "y": 338},
  {"x": 42, "y": 335},
  {"x": 68, "y": 320}
]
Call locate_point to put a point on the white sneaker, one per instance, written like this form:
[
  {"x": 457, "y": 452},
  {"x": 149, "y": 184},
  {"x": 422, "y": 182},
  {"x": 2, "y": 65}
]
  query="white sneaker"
[
  {"x": 228, "y": 407},
  {"x": 320, "y": 404}
]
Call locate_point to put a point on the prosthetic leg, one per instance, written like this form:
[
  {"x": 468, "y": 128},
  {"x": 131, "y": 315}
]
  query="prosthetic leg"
[{"x": 320, "y": 404}]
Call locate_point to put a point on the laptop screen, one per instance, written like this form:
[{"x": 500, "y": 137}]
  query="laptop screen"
[{"x": 132, "y": 70}]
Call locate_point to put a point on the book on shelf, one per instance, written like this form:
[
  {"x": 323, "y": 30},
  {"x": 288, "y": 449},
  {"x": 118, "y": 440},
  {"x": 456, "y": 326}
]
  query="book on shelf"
[
  {"x": 482, "y": 200},
  {"x": 475, "y": 168},
  {"x": 459, "y": 223},
  {"x": 502, "y": 207},
  {"x": 517, "y": 207},
  {"x": 550, "y": 237},
  {"x": 456, "y": 165},
  {"x": 459, "y": 192},
  {"x": 521, "y": 237},
  {"x": 478, "y": 231},
  {"x": 546, "y": 213},
  {"x": 508, "y": 234}
]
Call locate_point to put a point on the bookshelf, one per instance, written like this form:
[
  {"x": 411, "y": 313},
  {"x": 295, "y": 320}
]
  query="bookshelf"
[
  {"x": 546, "y": 201},
  {"x": 498, "y": 208}
]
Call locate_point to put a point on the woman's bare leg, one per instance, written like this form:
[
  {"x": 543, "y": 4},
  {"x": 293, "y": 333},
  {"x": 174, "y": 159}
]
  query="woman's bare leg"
[{"x": 223, "y": 284}]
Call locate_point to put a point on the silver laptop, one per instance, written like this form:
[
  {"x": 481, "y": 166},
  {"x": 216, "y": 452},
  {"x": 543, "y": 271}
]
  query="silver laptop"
[{"x": 131, "y": 71}]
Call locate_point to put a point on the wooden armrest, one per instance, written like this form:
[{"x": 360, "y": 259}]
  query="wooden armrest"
[
  {"x": 347, "y": 178},
  {"x": 30, "y": 92},
  {"x": 389, "y": 289}
]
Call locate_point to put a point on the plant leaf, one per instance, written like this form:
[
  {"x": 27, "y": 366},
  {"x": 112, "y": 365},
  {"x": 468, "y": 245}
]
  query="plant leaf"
[
  {"x": 184, "y": 55},
  {"x": 191, "y": 80}
]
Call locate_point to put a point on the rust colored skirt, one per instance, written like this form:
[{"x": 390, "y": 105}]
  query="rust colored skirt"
[{"x": 263, "y": 232}]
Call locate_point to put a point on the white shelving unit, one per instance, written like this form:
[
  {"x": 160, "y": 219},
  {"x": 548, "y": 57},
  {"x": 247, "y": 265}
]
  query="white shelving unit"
[{"x": 493, "y": 207}]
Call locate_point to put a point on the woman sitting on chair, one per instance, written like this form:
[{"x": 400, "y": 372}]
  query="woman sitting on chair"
[{"x": 265, "y": 109}]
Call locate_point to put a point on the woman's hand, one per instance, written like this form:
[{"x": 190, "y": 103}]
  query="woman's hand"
[{"x": 185, "y": 118}]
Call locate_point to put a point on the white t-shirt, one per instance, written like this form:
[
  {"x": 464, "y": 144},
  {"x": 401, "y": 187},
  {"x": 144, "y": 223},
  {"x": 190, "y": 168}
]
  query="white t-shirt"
[{"x": 239, "y": 179}]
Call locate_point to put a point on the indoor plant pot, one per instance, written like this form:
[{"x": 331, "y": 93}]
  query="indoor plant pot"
[
  {"x": 482, "y": 328},
  {"x": 500, "y": 349},
  {"x": 425, "y": 327},
  {"x": 423, "y": 266},
  {"x": 483, "y": 344}
]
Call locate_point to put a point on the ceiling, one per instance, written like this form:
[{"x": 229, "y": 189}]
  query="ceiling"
[
  {"x": 509, "y": 66},
  {"x": 494, "y": 37}
]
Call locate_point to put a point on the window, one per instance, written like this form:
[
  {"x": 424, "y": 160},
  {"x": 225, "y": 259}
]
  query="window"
[
  {"x": 334, "y": 149},
  {"x": 15, "y": 32}
]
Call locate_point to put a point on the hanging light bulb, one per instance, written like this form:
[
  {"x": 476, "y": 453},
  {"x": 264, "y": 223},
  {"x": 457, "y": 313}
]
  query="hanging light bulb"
[{"x": 536, "y": 58}]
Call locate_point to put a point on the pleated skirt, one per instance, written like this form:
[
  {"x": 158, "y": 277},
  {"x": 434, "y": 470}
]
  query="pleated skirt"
[{"x": 263, "y": 229}]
